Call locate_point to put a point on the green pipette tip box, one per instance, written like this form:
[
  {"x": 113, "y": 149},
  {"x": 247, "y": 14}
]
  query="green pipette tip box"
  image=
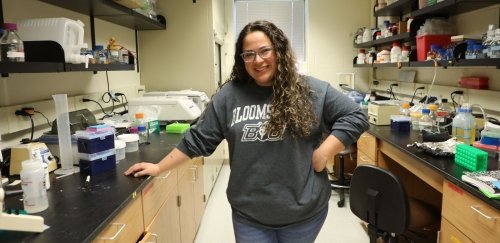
[
  {"x": 471, "y": 158},
  {"x": 177, "y": 127}
]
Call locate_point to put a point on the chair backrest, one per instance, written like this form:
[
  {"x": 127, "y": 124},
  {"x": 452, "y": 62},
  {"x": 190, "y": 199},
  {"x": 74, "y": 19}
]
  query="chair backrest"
[{"x": 378, "y": 197}]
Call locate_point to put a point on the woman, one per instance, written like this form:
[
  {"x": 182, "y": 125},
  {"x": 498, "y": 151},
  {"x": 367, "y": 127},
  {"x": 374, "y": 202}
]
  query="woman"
[{"x": 275, "y": 121}]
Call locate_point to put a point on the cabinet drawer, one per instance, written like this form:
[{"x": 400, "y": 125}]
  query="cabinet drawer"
[
  {"x": 155, "y": 193},
  {"x": 473, "y": 217},
  {"x": 450, "y": 234},
  {"x": 367, "y": 144},
  {"x": 127, "y": 226},
  {"x": 362, "y": 158}
]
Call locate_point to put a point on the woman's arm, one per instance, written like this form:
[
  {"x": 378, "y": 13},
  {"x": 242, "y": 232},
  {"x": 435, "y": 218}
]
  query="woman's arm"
[
  {"x": 172, "y": 159},
  {"x": 329, "y": 148}
]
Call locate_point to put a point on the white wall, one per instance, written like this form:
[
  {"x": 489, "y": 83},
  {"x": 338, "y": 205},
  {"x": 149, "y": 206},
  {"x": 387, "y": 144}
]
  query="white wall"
[
  {"x": 181, "y": 57},
  {"x": 330, "y": 28}
]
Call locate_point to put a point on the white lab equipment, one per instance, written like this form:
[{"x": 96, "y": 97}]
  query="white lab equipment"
[
  {"x": 165, "y": 108},
  {"x": 67, "y": 32},
  {"x": 198, "y": 97}
]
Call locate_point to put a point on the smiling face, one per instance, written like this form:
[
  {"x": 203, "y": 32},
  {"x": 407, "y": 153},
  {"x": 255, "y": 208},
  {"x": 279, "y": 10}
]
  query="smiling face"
[{"x": 262, "y": 70}]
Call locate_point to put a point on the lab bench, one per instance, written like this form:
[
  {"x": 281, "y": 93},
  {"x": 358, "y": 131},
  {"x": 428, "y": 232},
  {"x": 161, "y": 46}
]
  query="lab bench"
[
  {"x": 78, "y": 213},
  {"x": 467, "y": 214}
]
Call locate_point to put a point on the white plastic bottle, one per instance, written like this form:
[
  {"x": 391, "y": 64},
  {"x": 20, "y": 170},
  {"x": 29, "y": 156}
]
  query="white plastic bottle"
[
  {"x": 33, "y": 184},
  {"x": 464, "y": 125},
  {"x": 141, "y": 128},
  {"x": 361, "y": 57},
  {"x": 395, "y": 52}
]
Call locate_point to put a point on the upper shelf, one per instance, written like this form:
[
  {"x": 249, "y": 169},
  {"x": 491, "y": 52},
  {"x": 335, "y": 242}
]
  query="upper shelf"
[
  {"x": 494, "y": 62},
  {"x": 445, "y": 8},
  {"x": 398, "y": 8},
  {"x": 110, "y": 11}
]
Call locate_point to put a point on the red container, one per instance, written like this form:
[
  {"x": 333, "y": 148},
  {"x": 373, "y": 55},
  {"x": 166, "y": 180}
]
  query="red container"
[
  {"x": 424, "y": 43},
  {"x": 473, "y": 82}
]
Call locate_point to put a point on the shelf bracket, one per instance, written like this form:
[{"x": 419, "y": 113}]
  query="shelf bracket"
[{"x": 137, "y": 49}]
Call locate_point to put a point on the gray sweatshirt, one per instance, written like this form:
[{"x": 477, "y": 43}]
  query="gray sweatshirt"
[{"x": 272, "y": 181}]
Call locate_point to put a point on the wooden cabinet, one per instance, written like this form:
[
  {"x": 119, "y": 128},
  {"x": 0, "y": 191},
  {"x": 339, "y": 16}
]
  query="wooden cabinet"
[
  {"x": 127, "y": 226},
  {"x": 367, "y": 149},
  {"x": 165, "y": 227},
  {"x": 450, "y": 234},
  {"x": 199, "y": 192},
  {"x": 157, "y": 192},
  {"x": 472, "y": 217},
  {"x": 211, "y": 169}
]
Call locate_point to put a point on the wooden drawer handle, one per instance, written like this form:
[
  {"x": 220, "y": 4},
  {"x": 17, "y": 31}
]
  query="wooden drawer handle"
[
  {"x": 476, "y": 208},
  {"x": 166, "y": 176},
  {"x": 121, "y": 227}
]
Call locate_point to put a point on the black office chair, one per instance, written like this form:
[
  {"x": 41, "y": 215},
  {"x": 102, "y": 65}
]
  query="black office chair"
[
  {"x": 342, "y": 182},
  {"x": 378, "y": 198}
]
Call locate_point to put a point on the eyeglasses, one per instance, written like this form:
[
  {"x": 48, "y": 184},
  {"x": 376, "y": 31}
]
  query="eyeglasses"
[{"x": 264, "y": 53}]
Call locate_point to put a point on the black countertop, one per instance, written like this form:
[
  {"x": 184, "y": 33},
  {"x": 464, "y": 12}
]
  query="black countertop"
[
  {"x": 77, "y": 213},
  {"x": 445, "y": 166}
]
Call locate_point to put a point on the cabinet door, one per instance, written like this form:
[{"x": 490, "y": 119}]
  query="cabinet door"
[
  {"x": 362, "y": 158},
  {"x": 367, "y": 144},
  {"x": 199, "y": 193},
  {"x": 127, "y": 226},
  {"x": 450, "y": 234},
  {"x": 476, "y": 219},
  {"x": 165, "y": 227},
  {"x": 155, "y": 193},
  {"x": 186, "y": 192}
]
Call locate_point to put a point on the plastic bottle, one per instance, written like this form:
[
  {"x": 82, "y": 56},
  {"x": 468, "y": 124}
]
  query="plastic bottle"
[
  {"x": 100, "y": 55},
  {"x": 405, "y": 54},
  {"x": 395, "y": 52},
  {"x": 425, "y": 122},
  {"x": 444, "y": 113},
  {"x": 33, "y": 185},
  {"x": 433, "y": 116},
  {"x": 464, "y": 125},
  {"x": 405, "y": 109},
  {"x": 361, "y": 57},
  {"x": 141, "y": 128},
  {"x": 415, "y": 117},
  {"x": 12, "y": 47}
]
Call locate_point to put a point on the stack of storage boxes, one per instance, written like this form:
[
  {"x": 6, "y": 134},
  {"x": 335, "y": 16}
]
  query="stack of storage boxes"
[{"x": 96, "y": 150}]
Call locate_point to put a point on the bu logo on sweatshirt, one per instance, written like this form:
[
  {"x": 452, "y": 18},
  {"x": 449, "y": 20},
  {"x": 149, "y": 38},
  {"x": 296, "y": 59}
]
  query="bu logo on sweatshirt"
[{"x": 257, "y": 132}]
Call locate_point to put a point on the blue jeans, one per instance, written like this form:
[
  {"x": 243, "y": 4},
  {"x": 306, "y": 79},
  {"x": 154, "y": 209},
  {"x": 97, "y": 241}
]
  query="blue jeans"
[{"x": 301, "y": 233}]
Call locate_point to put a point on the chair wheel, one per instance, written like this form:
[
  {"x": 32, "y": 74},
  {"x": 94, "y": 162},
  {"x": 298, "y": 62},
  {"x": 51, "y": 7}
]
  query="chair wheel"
[{"x": 340, "y": 204}]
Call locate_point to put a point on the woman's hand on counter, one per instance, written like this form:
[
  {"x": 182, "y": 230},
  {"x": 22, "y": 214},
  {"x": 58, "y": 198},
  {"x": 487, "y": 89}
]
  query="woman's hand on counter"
[{"x": 142, "y": 169}]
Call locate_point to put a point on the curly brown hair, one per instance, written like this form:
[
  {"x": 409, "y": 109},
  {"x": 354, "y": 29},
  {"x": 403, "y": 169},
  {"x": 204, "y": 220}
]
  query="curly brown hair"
[{"x": 291, "y": 105}]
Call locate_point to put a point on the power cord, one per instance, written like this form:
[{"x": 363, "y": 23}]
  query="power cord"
[
  {"x": 452, "y": 96},
  {"x": 27, "y": 112},
  {"x": 102, "y": 108},
  {"x": 414, "y": 94},
  {"x": 391, "y": 93}
]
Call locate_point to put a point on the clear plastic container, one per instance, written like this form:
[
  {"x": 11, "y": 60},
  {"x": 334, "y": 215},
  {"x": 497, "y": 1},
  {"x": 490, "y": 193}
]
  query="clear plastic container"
[
  {"x": 33, "y": 185},
  {"x": 12, "y": 47},
  {"x": 433, "y": 115},
  {"x": 464, "y": 125},
  {"x": 425, "y": 122},
  {"x": 405, "y": 109}
]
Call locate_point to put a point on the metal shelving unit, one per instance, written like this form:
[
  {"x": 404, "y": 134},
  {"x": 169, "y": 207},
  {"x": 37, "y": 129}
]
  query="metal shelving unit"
[
  {"x": 106, "y": 10},
  {"x": 445, "y": 8}
]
